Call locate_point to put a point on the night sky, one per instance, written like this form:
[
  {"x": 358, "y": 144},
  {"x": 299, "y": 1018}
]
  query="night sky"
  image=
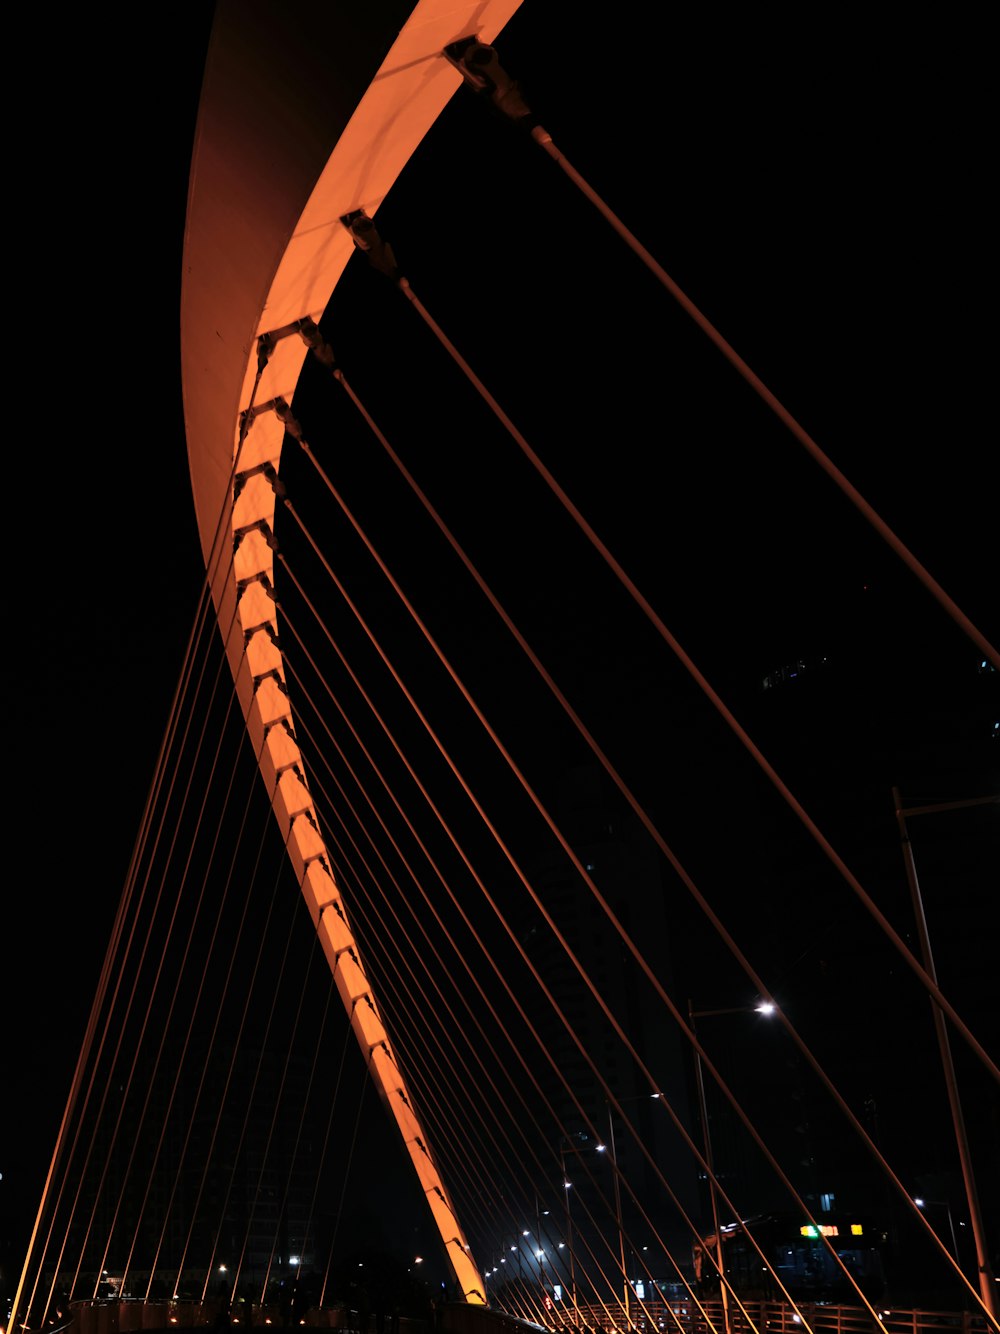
[{"x": 818, "y": 188}]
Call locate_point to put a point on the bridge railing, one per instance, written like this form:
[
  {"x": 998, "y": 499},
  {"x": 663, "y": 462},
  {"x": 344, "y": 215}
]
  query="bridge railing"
[
  {"x": 773, "y": 1317},
  {"x": 115, "y": 1316},
  {"x": 678, "y": 1316}
]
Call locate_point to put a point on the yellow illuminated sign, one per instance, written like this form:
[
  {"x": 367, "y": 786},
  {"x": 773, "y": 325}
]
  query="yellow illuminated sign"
[{"x": 829, "y": 1230}]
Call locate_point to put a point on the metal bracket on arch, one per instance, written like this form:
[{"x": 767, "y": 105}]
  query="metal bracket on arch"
[
  {"x": 367, "y": 239},
  {"x": 262, "y": 578},
  {"x": 284, "y": 414},
  {"x": 274, "y": 675},
  {"x": 284, "y": 721},
  {"x": 267, "y": 342},
  {"x": 292, "y": 767},
  {"x": 268, "y": 628},
  {"x": 479, "y": 65},
  {"x": 305, "y": 811},
  {"x": 310, "y": 334},
  {"x": 330, "y": 903},
  {"x": 266, "y": 470},
  {"x": 317, "y": 857},
  {"x": 258, "y": 526},
  {"x": 249, "y": 415}
]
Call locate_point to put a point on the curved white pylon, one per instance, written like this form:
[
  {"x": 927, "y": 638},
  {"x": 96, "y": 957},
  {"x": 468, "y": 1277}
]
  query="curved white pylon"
[{"x": 306, "y": 115}]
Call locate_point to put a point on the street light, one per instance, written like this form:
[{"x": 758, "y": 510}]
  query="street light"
[
  {"x": 763, "y": 1007},
  {"x": 944, "y": 1047},
  {"x": 618, "y": 1212},
  {"x": 567, "y": 1185},
  {"x": 569, "y": 1232},
  {"x": 638, "y": 1097},
  {"x": 942, "y": 1204}
]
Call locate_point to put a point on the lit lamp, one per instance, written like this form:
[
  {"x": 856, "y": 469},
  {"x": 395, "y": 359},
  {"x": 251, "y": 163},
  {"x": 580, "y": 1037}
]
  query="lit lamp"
[
  {"x": 640, "y": 1097},
  {"x": 765, "y": 1008},
  {"x": 567, "y": 1185},
  {"x": 942, "y": 1204}
]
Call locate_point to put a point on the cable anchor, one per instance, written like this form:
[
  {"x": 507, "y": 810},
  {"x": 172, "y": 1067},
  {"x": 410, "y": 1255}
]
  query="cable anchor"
[
  {"x": 310, "y": 334},
  {"x": 284, "y": 414},
  {"x": 480, "y": 67},
  {"x": 259, "y": 526},
  {"x": 271, "y": 675},
  {"x": 367, "y": 239},
  {"x": 265, "y": 470}
]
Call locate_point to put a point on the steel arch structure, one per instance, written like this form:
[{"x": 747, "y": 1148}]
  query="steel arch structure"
[{"x": 306, "y": 115}]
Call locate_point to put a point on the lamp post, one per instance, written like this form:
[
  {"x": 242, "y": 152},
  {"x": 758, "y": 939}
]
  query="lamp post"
[
  {"x": 984, "y": 1270},
  {"x": 567, "y": 1185},
  {"x": 639, "y": 1097},
  {"x": 942, "y": 1204},
  {"x": 569, "y": 1232},
  {"x": 539, "y": 1251},
  {"x": 765, "y": 1008},
  {"x": 618, "y": 1214}
]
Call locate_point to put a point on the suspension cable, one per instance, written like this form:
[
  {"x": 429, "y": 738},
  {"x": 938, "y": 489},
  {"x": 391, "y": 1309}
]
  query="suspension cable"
[
  {"x": 313, "y": 338},
  {"x": 382, "y": 258},
  {"x": 294, "y": 429},
  {"x": 481, "y": 70}
]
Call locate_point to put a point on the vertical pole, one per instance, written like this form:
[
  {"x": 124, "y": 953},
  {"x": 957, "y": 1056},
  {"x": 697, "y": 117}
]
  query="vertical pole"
[
  {"x": 958, "y": 1120},
  {"x": 618, "y": 1215},
  {"x": 703, "y": 1111},
  {"x": 951, "y": 1229},
  {"x": 569, "y": 1240},
  {"x": 540, "y": 1256}
]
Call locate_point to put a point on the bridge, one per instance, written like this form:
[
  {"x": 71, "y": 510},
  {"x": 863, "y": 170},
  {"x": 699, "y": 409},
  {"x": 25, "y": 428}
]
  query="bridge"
[{"x": 511, "y": 922}]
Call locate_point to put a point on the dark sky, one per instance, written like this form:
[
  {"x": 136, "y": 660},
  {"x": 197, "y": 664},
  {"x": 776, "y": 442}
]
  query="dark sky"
[{"x": 818, "y": 187}]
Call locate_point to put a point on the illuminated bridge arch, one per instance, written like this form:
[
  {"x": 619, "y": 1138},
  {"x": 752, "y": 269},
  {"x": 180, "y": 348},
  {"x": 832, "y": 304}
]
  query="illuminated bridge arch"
[{"x": 306, "y": 116}]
